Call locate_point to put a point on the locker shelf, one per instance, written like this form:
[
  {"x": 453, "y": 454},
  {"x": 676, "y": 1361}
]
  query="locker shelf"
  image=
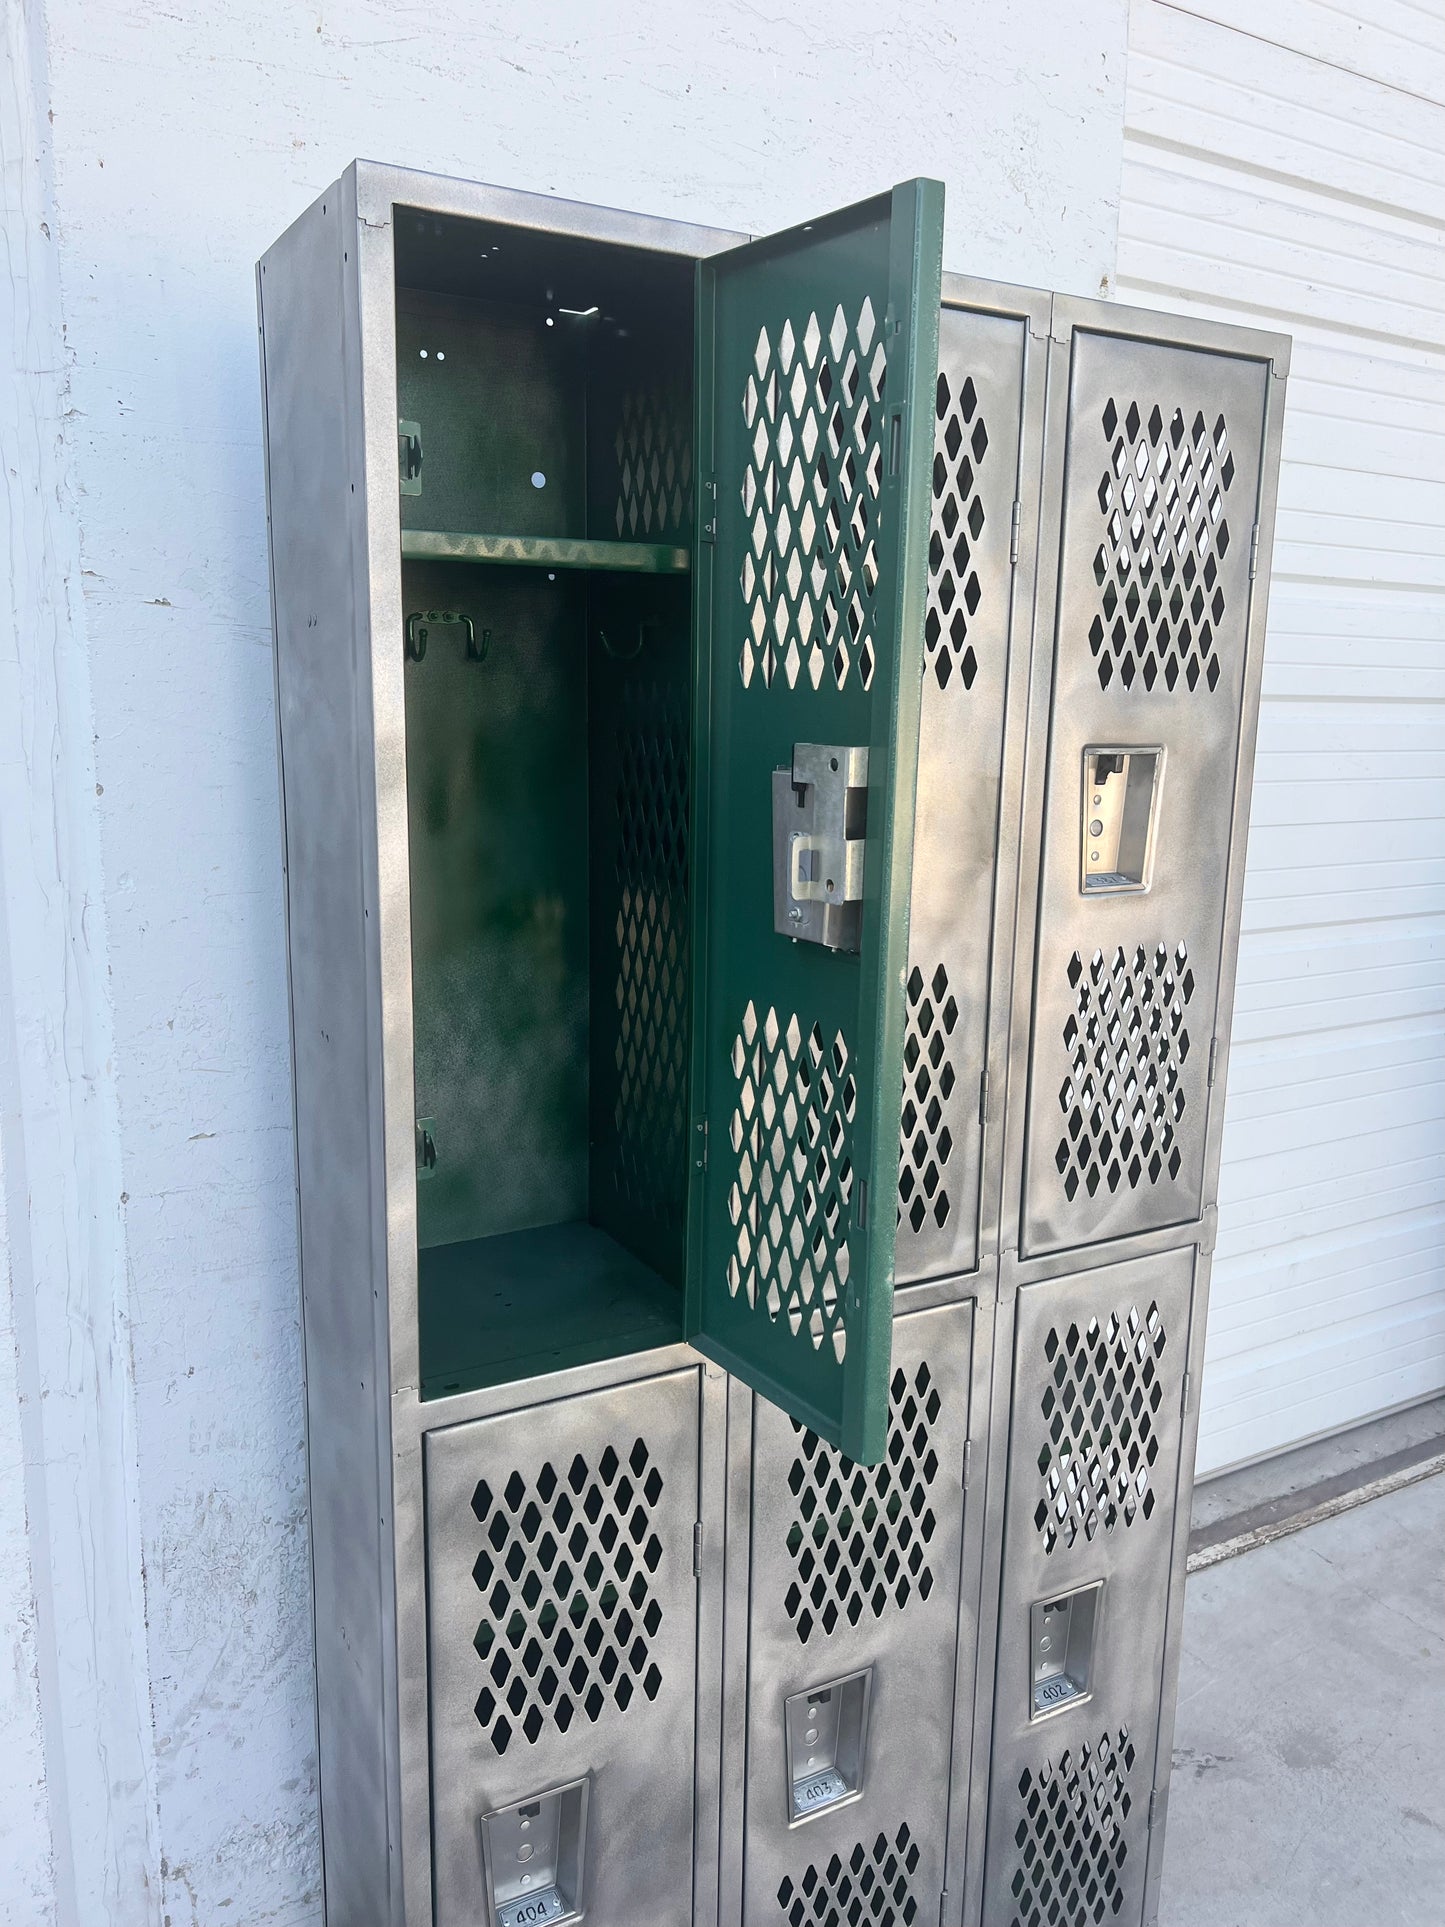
[
  {"x": 525, "y": 1302},
  {"x": 544, "y": 551}
]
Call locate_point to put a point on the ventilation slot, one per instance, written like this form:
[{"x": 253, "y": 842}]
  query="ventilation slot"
[
  {"x": 928, "y": 1079},
  {"x": 653, "y": 446},
  {"x": 872, "y": 1885},
  {"x": 791, "y": 1138},
  {"x": 567, "y": 1572},
  {"x": 1101, "y": 1438},
  {"x": 860, "y": 1535},
  {"x": 813, "y": 406},
  {"x": 649, "y": 1171},
  {"x": 1070, "y": 1836},
  {"x": 1123, "y": 1099},
  {"x": 1165, "y": 535},
  {"x": 959, "y": 445}
]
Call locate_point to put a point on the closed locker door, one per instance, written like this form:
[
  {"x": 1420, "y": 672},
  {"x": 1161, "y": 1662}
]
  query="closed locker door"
[
  {"x": 977, "y": 480},
  {"x": 1160, "y": 493},
  {"x": 853, "y": 1633},
  {"x": 1093, "y": 1478},
  {"x": 562, "y": 1646}
]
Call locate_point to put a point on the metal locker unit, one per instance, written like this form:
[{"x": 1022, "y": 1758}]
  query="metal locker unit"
[
  {"x": 598, "y": 563},
  {"x": 854, "y": 1605},
  {"x": 666, "y": 1568},
  {"x": 1155, "y": 522}
]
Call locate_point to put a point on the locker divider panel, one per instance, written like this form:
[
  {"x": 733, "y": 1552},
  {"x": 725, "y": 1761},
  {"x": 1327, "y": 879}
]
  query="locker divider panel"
[
  {"x": 856, "y": 1569},
  {"x": 562, "y": 1627},
  {"x": 1092, "y": 1479}
]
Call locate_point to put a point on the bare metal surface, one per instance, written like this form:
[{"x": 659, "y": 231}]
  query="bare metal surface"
[
  {"x": 855, "y": 1569},
  {"x": 562, "y": 1632},
  {"x": 1093, "y": 1474}
]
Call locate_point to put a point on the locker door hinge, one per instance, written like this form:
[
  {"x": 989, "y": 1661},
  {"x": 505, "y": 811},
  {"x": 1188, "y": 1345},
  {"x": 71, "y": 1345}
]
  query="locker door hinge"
[
  {"x": 1153, "y": 1808},
  {"x": 1016, "y": 516},
  {"x": 1213, "y": 1059},
  {"x": 942, "y": 1907},
  {"x": 1253, "y": 551},
  {"x": 967, "y": 1462},
  {"x": 697, "y": 1550},
  {"x": 1187, "y": 1392},
  {"x": 709, "y": 509},
  {"x": 701, "y": 1159},
  {"x": 983, "y": 1098}
]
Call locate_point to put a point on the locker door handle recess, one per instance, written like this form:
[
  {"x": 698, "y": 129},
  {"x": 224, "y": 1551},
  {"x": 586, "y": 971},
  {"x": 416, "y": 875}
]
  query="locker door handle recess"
[
  {"x": 820, "y": 822},
  {"x": 1061, "y": 1649},
  {"x": 826, "y": 1733},
  {"x": 533, "y": 1852},
  {"x": 1118, "y": 818}
]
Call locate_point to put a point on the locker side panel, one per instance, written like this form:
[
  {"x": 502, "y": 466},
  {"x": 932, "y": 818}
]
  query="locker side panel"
[
  {"x": 977, "y": 433},
  {"x": 856, "y": 1570},
  {"x": 1092, "y": 1483},
  {"x": 1161, "y": 493},
  {"x": 562, "y": 1629},
  {"x": 313, "y": 385}
]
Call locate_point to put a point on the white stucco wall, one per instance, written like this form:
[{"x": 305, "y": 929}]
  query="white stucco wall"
[{"x": 156, "y": 1744}]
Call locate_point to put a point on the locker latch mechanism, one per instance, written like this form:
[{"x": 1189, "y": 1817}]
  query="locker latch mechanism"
[
  {"x": 1061, "y": 1648},
  {"x": 533, "y": 1852},
  {"x": 826, "y": 1729},
  {"x": 408, "y": 451},
  {"x": 820, "y": 821}
]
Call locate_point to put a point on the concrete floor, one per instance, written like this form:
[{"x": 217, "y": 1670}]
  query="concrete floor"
[{"x": 1309, "y": 1759}]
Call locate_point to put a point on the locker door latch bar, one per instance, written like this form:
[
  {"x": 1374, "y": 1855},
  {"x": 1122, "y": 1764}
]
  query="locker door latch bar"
[{"x": 820, "y": 821}]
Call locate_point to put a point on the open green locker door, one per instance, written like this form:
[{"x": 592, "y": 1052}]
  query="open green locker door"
[{"x": 817, "y": 361}]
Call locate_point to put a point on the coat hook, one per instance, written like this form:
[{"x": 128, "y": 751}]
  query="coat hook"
[{"x": 418, "y": 630}]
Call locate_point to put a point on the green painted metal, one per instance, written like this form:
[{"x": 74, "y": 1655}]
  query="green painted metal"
[
  {"x": 817, "y": 359},
  {"x": 545, "y": 551},
  {"x": 495, "y": 1309}
]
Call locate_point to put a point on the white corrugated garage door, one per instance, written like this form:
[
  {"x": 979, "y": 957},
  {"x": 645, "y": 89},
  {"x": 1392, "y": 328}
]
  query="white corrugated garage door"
[{"x": 1285, "y": 165}]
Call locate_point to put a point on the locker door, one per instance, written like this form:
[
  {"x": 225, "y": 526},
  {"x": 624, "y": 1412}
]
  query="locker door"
[
  {"x": 853, "y": 1628},
  {"x": 1093, "y": 1479},
  {"x": 978, "y": 439},
  {"x": 562, "y": 1653},
  {"x": 818, "y": 356},
  {"x": 1160, "y": 498}
]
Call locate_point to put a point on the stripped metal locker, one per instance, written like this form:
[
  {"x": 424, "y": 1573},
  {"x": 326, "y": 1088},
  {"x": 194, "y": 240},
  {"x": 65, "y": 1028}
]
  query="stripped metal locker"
[{"x": 704, "y": 1530}]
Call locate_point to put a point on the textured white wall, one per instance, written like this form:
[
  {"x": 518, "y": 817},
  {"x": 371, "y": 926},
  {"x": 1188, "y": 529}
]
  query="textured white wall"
[{"x": 156, "y": 1745}]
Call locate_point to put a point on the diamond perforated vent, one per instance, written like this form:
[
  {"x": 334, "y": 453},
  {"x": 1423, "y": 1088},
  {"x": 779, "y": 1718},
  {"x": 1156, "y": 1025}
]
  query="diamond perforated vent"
[
  {"x": 1071, "y": 1835},
  {"x": 1165, "y": 535},
  {"x": 1100, "y": 1437},
  {"x": 871, "y": 1884},
  {"x": 813, "y": 409},
  {"x": 653, "y": 446},
  {"x": 571, "y": 1621},
  {"x": 1126, "y": 1040},
  {"x": 791, "y": 1139},
  {"x": 651, "y": 932},
  {"x": 860, "y": 1535},
  {"x": 929, "y": 1075},
  {"x": 960, "y": 444}
]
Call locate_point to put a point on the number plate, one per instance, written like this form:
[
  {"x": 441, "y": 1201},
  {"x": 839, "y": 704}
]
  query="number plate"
[
  {"x": 818, "y": 1790},
  {"x": 529, "y": 1909}
]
